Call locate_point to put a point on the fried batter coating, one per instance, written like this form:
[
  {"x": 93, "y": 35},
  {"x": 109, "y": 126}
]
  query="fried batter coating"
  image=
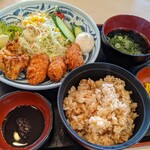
[
  {"x": 37, "y": 69},
  {"x": 14, "y": 46},
  {"x": 73, "y": 57},
  {"x": 13, "y": 59},
  {"x": 11, "y": 64},
  {"x": 57, "y": 69}
]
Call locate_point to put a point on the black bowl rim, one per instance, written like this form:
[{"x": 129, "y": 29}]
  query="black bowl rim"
[
  {"x": 51, "y": 111},
  {"x": 104, "y": 36},
  {"x": 144, "y": 126}
]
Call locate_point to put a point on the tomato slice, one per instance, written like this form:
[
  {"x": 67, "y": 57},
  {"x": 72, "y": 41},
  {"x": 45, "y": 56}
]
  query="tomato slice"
[{"x": 60, "y": 15}]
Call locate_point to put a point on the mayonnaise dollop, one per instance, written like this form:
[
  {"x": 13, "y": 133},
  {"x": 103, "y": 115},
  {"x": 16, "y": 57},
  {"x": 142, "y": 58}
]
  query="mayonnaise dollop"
[{"x": 85, "y": 41}]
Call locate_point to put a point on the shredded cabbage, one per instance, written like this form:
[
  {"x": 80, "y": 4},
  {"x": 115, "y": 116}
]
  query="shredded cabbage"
[{"x": 43, "y": 37}]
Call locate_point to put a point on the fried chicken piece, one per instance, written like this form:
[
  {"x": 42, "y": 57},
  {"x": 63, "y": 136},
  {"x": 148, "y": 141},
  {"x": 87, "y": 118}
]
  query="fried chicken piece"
[
  {"x": 37, "y": 69},
  {"x": 57, "y": 69},
  {"x": 73, "y": 57},
  {"x": 13, "y": 60},
  {"x": 14, "y": 45},
  {"x": 14, "y": 64}
]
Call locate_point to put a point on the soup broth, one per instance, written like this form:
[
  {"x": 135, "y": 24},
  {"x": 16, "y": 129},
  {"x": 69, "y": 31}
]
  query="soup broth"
[
  {"x": 23, "y": 126},
  {"x": 128, "y": 41}
]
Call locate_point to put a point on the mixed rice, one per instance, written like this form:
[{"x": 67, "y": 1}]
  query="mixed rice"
[{"x": 102, "y": 112}]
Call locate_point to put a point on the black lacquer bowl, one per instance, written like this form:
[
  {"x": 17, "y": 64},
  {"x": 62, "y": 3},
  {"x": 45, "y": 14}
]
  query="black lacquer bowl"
[{"x": 96, "y": 71}]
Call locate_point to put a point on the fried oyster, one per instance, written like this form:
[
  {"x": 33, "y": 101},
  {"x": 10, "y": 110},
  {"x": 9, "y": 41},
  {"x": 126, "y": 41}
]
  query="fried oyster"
[
  {"x": 37, "y": 69},
  {"x": 57, "y": 69},
  {"x": 73, "y": 57}
]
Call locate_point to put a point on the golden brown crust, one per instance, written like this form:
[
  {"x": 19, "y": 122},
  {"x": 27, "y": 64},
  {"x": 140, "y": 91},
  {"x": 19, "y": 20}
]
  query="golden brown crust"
[
  {"x": 13, "y": 65},
  {"x": 73, "y": 57},
  {"x": 57, "y": 69},
  {"x": 14, "y": 45},
  {"x": 13, "y": 59},
  {"x": 37, "y": 69}
]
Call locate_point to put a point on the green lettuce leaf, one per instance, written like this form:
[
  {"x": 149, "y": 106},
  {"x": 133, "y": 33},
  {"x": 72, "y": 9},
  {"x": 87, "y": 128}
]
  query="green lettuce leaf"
[{"x": 10, "y": 30}]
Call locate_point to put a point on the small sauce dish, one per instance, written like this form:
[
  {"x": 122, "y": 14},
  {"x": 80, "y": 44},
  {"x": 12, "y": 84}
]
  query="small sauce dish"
[
  {"x": 143, "y": 74},
  {"x": 26, "y": 120}
]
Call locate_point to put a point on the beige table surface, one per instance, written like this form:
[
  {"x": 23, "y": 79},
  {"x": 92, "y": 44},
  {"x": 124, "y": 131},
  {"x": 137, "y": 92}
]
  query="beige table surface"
[{"x": 100, "y": 11}]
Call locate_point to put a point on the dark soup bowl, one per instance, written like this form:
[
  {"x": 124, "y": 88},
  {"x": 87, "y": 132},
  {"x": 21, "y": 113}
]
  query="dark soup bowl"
[
  {"x": 126, "y": 40},
  {"x": 103, "y": 106},
  {"x": 26, "y": 120}
]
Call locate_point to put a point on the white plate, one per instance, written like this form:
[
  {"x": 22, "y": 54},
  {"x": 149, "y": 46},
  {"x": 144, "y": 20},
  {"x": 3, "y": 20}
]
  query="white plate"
[{"x": 14, "y": 12}]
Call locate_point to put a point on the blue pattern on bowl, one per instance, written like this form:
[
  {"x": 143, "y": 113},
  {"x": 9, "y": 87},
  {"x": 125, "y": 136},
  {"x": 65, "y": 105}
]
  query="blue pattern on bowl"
[{"x": 14, "y": 14}]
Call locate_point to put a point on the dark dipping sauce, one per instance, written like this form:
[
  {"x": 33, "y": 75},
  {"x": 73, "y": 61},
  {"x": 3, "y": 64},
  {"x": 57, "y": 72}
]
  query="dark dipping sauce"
[
  {"x": 23, "y": 126},
  {"x": 129, "y": 41}
]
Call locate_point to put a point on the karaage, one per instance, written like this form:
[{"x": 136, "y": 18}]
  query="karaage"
[{"x": 13, "y": 59}]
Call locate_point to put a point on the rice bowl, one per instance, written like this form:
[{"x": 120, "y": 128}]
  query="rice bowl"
[
  {"x": 90, "y": 74},
  {"x": 102, "y": 111}
]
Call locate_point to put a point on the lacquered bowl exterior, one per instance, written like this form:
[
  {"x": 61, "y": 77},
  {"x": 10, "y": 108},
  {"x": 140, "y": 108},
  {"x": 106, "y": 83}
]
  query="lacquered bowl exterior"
[
  {"x": 12, "y": 100},
  {"x": 143, "y": 74},
  {"x": 96, "y": 71},
  {"x": 130, "y": 22}
]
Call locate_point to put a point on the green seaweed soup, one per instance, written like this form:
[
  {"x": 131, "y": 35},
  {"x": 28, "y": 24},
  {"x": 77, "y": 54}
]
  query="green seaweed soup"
[{"x": 128, "y": 41}]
